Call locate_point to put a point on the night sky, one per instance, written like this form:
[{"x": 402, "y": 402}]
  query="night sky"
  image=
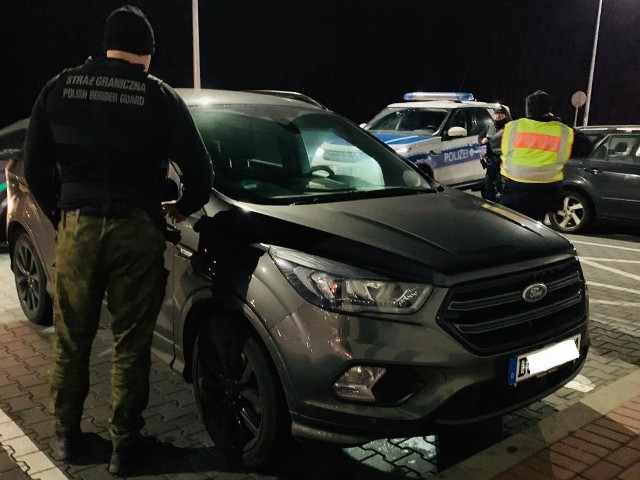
[{"x": 354, "y": 56}]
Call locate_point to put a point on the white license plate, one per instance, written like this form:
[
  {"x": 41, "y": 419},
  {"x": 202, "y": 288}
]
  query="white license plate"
[{"x": 523, "y": 367}]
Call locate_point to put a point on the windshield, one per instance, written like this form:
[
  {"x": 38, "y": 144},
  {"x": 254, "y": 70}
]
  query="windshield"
[
  {"x": 282, "y": 154},
  {"x": 416, "y": 120}
]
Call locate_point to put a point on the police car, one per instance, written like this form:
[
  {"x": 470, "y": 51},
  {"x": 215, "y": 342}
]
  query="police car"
[{"x": 438, "y": 131}]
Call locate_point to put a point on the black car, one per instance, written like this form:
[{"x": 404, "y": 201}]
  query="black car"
[
  {"x": 330, "y": 290},
  {"x": 605, "y": 185}
]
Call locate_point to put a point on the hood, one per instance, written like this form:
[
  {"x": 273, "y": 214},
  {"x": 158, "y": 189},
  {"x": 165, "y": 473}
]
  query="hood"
[
  {"x": 413, "y": 236},
  {"x": 400, "y": 138}
]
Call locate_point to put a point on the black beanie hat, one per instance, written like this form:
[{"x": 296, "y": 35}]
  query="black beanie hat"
[
  {"x": 538, "y": 103},
  {"x": 128, "y": 29},
  {"x": 500, "y": 109}
]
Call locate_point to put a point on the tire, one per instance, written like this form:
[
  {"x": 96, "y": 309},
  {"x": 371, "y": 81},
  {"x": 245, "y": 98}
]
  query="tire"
[
  {"x": 31, "y": 282},
  {"x": 574, "y": 216},
  {"x": 239, "y": 395}
]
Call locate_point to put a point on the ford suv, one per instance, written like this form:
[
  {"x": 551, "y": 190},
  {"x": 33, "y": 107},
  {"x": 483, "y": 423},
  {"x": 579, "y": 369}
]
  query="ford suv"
[{"x": 343, "y": 307}]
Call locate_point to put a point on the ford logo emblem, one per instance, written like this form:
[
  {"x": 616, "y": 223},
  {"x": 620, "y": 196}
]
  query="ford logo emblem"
[{"x": 534, "y": 293}]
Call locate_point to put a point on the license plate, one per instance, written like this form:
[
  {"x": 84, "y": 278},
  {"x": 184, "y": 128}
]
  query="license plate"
[{"x": 523, "y": 367}]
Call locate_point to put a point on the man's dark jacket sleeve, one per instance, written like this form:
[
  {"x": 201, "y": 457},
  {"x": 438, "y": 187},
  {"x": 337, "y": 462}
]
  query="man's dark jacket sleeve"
[
  {"x": 40, "y": 170},
  {"x": 187, "y": 150},
  {"x": 581, "y": 145},
  {"x": 495, "y": 142}
]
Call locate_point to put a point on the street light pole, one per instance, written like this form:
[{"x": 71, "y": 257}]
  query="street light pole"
[
  {"x": 593, "y": 66},
  {"x": 196, "y": 44}
]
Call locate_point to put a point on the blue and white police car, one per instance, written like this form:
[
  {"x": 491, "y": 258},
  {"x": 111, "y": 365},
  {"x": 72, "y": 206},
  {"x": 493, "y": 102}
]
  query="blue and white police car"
[{"x": 439, "y": 132}]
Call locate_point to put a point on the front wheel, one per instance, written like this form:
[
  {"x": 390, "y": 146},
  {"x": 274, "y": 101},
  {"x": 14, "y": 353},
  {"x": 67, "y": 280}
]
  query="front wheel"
[
  {"x": 239, "y": 394},
  {"x": 574, "y": 215},
  {"x": 31, "y": 282}
]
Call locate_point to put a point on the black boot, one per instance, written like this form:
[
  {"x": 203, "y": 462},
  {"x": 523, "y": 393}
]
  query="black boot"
[
  {"x": 67, "y": 447},
  {"x": 124, "y": 459}
]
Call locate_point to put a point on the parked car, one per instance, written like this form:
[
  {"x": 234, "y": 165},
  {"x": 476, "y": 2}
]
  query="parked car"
[
  {"x": 306, "y": 303},
  {"x": 604, "y": 186},
  {"x": 11, "y": 139},
  {"x": 439, "y": 132},
  {"x": 595, "y": 133}
]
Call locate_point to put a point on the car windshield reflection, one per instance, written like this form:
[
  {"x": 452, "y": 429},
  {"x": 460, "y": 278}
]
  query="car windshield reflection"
[{"x": 289, "y": 155}]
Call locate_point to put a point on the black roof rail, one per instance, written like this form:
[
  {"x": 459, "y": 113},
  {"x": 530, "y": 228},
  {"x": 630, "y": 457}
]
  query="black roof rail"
[
  {"x": 609, "y": 127},
  {"x": 292, "y": 95}
]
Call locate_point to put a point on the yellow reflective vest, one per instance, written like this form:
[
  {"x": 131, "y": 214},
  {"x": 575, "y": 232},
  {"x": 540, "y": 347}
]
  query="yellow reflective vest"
[{"x": 535, "y": 152}]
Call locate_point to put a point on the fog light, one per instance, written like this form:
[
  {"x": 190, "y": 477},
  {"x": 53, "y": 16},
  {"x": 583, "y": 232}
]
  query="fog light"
[{"x": 357, "y": 383}]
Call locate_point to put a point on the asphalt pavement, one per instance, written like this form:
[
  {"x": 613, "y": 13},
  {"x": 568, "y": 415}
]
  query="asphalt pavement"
[{"x": 586, "y": 430}]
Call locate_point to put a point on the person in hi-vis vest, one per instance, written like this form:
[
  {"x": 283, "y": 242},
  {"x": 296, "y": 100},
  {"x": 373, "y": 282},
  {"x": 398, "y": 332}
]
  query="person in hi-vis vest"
[{"x": 533, "y": 151}]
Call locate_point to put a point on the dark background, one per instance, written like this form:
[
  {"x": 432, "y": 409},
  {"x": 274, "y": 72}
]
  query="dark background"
[{"x": 355, "y": 56}]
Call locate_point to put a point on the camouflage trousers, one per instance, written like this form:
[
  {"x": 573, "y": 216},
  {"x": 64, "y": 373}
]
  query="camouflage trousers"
[{"x": 124, "y": 258}]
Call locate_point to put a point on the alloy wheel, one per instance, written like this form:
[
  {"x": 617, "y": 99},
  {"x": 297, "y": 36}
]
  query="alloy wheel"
[
  {"x": 239, "y": 395},
  {"x": 31, "y": 282},
  {"x": 574, "y": 214}
]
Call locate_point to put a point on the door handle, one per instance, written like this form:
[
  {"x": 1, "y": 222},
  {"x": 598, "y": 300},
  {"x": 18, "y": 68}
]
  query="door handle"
[{"x": 594, "y": 171}]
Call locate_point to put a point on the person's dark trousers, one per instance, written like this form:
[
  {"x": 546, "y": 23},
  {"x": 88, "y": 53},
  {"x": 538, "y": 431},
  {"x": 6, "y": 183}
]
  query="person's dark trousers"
[
  {"x": 534, "y": 200},
  {"x": 125, "y": 258},
  {"x": 492, "y": 183}
]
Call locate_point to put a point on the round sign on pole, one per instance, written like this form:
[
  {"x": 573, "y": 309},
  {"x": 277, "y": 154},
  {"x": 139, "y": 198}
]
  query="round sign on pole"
[{"x": 578, "y": 99}]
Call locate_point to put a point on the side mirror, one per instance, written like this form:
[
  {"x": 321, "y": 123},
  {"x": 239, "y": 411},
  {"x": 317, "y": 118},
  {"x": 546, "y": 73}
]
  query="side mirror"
[
  {"x": 457, "y": 132},
  {"x": 425, "y": 168}
]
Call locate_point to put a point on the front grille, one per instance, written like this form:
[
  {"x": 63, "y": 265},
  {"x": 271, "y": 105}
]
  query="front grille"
[{"x": 491, "y": 316}]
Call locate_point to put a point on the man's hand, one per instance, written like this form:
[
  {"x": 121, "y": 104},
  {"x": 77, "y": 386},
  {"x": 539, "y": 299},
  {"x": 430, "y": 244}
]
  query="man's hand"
[{"x": 170, "y": 210}]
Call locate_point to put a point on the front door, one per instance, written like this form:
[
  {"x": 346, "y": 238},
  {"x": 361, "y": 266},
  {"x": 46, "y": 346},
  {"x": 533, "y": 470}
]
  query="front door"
[
  {"x": 461, "y": 155},
  {"x": 613, "y": 170}
]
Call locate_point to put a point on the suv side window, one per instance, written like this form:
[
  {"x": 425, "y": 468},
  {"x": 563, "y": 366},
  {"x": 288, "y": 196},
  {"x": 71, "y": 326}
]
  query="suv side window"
[
  {"x": 623, "y": 148},
  {"x": 460, "y": 118}
]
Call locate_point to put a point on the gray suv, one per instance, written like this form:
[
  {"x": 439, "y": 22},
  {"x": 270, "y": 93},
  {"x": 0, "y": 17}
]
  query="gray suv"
[
  {"x": 604, "y": 186},
  {"x": 340, "y": 303}
]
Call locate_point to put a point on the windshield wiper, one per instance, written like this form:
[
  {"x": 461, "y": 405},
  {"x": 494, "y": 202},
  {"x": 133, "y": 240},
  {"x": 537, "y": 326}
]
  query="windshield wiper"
[
  {"x": 405, "y": 190},
  {"x": 360, "y": 194}
]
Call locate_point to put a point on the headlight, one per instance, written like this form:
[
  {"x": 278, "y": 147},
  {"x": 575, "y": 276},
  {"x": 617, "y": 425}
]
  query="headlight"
[{"x": 337, "y": 286}]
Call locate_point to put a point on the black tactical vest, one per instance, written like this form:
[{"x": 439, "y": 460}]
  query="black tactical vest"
[{"x": 108, "y": 123}]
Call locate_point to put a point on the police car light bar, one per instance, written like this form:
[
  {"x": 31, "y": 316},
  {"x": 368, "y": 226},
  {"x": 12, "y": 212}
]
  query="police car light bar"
[{"x": 455, "y": 96}]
